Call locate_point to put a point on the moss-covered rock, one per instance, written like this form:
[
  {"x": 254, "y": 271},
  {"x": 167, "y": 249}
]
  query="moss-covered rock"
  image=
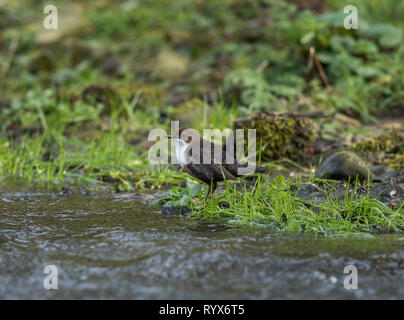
[
  {"x": 343, "y": 165},
  {"x": 397, "y": 163},
  {"x": 283, "y": 135},
  {"x": 386, "y": 148},
  {"x": 390, "y": 142}
]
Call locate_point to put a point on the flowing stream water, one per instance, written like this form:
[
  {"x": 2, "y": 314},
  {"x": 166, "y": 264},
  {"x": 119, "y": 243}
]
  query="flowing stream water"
[{"x": 119, "y": 246}]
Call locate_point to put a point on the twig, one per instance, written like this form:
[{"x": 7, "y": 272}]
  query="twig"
[
  {"x": 262, "y": 66},
  {"x": 313, "y": 58},
  {"x": 10, "y": 56}
]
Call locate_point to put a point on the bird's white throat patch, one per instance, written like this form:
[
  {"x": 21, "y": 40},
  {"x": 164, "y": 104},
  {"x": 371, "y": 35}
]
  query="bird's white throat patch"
[{"x": 180, "y": 151}]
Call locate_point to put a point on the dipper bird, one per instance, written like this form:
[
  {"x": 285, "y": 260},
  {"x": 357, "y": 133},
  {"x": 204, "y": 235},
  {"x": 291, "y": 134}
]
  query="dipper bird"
[{"x": 210, "y": 166}]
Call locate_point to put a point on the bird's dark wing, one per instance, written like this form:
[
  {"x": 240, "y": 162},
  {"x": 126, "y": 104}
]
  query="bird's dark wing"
[
  {"x": 206, "y": 166},
  {"x": 208, "y": 172}
]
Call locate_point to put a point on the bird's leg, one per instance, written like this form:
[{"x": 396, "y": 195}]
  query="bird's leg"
[
  {"x": 207, "y": 194},
  {"x": 214, "y": 186},
  {"x": 211, "y": 190}
]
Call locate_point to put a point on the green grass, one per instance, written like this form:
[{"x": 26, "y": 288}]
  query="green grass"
[
  {"x": 275, "y": 205},
  {"x": 57, "y": 144},
  {"x": 106, "y": 161}
]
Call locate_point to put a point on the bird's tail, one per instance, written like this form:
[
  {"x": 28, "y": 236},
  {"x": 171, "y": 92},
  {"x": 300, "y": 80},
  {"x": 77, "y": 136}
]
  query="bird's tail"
[{"x": 263, "y": 170}]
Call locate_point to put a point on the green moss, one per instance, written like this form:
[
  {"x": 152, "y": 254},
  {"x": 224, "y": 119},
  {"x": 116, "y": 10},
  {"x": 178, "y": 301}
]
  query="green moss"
[
  {"x": 397, "y": 163},
  {"x": 386, "y": 148},
  {"x": 283, "y": 136},
  {"x": 390, "y": 142}
]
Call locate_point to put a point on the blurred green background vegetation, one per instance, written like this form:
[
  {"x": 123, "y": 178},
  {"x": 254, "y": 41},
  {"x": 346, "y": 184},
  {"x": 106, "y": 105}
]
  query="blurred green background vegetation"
[{"x": 77, "y": 103}]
